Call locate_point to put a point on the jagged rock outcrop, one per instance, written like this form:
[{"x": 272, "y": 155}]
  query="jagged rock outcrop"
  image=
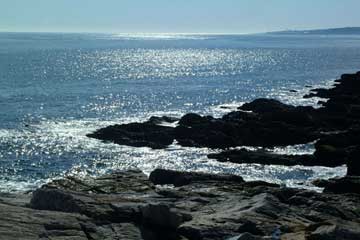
[{"x": 264, "y": 123}]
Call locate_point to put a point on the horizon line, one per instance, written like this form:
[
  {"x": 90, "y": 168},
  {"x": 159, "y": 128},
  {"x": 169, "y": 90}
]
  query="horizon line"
[
  {"x": 114, "y": 32},
  {"x": 178, "y": 33}
]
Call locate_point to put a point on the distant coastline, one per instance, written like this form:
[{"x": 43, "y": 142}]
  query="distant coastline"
[{"x": 329, "y": 31}]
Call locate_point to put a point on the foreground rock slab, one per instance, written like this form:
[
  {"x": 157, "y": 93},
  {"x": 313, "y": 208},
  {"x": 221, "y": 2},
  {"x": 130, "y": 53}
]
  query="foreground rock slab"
[{"x": 128, "y": 205}]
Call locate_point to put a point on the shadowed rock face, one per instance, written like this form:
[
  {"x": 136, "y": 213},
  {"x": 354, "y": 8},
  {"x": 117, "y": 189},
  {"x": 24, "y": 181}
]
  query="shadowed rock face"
[
  {"x": 127, "y": 205},
  {"x": 268, "y": 158}
]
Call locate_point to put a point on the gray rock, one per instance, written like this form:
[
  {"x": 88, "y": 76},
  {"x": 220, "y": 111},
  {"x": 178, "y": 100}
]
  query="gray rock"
[{"x": 127, "y": 205}]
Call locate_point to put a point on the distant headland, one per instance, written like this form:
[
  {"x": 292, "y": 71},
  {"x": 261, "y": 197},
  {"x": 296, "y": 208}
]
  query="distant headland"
[{"x": 329, "y": 31}]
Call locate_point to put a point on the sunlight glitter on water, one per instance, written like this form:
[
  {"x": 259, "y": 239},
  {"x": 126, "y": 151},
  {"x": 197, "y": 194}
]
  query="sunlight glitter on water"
[
  {"x": 56, "y": 88},
  {"x": 56, "y": 143},
  {"x": 159, "y": 36}
]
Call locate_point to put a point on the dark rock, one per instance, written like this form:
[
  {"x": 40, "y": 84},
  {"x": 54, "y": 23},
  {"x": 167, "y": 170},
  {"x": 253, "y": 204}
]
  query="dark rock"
[
  {"x": 163, "y": 216},
  {"x": 162, "y": 176},
  {"x": 212, "y": 134},
  {"x": 330, "y": 155},
  {"x": 241, "y": 116},
  {"x": 219, "y": 133},
  {"x": 145, "y": 134},
  {"x": 264, "y": 105},
  {"x": 353, "y": 161},
  {"x": 161, "y": 120},
  {"x": 274, "y": 110},
  {"x": 269, "y": 123},
  {"x": 341, "y": 139},
  {"x": 321, "y": 183},
  {"x": 348, "y": 184},
  {"x": 192, "y": 119},
  {"x": 268, "y": 158},
  {"x": 54, "y": 200},
  {"x": 249, "y": 227}
]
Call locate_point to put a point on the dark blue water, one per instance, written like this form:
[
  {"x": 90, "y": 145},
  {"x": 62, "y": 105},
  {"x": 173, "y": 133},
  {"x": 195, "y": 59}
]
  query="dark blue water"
[{"x": 55, "y": 88}]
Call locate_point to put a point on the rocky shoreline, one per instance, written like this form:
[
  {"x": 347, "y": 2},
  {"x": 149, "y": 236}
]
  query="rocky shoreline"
[
  {"x": 183, "y": 205},
  {"x": 335, "y": 127},
  {"x": 129, "y": 205}
]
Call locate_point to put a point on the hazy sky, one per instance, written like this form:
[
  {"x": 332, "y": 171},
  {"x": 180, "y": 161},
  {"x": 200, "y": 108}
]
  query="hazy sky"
[{"x": 211, "y": 16}]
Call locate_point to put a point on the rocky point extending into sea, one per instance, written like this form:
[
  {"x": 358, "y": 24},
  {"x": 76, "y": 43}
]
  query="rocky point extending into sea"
[{"x": 183, "y": 205}]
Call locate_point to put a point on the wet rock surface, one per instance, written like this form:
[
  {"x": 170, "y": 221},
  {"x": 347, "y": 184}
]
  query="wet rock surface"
[{"x": 128, "y": 205}]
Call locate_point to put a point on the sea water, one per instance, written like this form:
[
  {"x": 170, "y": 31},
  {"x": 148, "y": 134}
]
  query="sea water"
[{"x": 56, "y": 88}]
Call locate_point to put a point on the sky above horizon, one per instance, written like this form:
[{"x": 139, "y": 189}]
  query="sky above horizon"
[{"x": 171, "y": 16}]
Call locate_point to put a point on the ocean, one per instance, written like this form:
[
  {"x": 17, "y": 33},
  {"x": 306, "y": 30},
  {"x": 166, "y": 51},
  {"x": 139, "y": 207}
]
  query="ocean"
[{"x": 56, "y": 88}]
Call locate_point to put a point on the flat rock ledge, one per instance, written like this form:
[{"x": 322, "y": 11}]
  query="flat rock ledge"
[{"x": 177, "y": 205}]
